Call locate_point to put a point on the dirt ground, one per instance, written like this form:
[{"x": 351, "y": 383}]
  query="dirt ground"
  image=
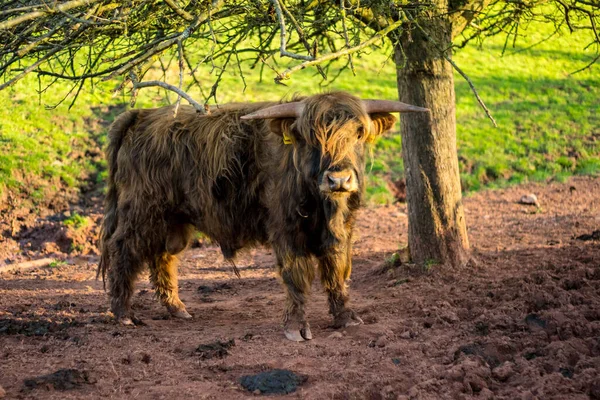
[{"x": 523, "y": 322}]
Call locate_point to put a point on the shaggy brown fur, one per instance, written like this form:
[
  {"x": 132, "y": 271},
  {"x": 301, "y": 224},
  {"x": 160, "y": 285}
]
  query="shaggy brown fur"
[{"x": 237, "y": 182}]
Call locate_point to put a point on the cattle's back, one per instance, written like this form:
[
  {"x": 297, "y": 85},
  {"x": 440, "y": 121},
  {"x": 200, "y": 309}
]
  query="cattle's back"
[{"x": 202, "y": 169}]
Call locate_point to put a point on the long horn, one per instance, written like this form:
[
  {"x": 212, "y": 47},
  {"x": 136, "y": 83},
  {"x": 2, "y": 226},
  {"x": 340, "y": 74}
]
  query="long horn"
[
  {"x": 376, "y": 106},
  {"x": 286, "y": 110}
]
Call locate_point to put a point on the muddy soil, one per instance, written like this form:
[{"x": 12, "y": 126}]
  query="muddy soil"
[{"x": 521, "y": 322}]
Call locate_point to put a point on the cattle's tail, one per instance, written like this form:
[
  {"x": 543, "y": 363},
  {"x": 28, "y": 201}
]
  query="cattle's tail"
[{"x": 116, "y": 134}]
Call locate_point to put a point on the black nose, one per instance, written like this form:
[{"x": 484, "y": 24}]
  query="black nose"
[{"x": 339, "y": 180}]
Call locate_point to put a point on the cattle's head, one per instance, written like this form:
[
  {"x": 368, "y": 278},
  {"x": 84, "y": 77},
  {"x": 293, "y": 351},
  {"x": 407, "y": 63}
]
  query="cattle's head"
[{"x": 328, "y": 134}]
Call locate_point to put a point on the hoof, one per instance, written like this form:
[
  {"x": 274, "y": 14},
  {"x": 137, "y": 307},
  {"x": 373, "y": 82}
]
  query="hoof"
[
  {"x": 297, "y": 331},
  {"x": 298, "y": 335},
  {"x": 180, "y": 313},
  {"x": 354, "y": 322},
  {"x": 126, "y": 321},
  {"x": 347, "y": 318},
  {"x": 131, "y": 321}
]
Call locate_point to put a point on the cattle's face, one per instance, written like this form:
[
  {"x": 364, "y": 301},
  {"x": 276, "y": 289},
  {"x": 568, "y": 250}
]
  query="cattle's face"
[{"x": 330, "y": 140}]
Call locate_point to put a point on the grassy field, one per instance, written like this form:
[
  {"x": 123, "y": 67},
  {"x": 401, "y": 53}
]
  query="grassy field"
[{"x": 548, "y": 120}]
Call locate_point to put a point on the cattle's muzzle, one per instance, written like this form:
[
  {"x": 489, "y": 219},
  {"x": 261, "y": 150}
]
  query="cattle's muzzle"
[{"x": 343, "y": 181}]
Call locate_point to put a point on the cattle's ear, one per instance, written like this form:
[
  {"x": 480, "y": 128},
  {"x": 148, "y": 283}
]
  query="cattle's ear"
[
  {"x": 281, "y": 126},
  {"x": 381, "y": 122}
]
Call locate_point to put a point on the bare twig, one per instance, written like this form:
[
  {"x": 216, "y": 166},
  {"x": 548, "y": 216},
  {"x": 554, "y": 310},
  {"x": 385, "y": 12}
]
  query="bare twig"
[
  {"x": 180, "y": 11},
  {"x": 43, "y": 59},
  {"x": 472, "y": 86},
  {"x": 588, "y": 65},
  {"x": 302, "y": 38},
  {"x": 36, "y": 14},
  {"x": 346, "y": 39},
  {"x": 181, "y": 67},
  {"x": 331, "y": 56},
  {"x": 54, "y": 37},
  {"x": 282, "y": 46},
  {"x": 139, "y": 85},
  {"x": 161, "y": 46}
]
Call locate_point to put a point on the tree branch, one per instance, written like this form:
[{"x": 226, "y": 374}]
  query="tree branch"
[
  {"x": 199, "y": 108},
  {"x": 161, "y": 46},
  {"x": 331, "y": 56},
  {"x": 282, "y": 46},
  {"x": 180, "y": 11},
  {"x": 36, "y": 14}
]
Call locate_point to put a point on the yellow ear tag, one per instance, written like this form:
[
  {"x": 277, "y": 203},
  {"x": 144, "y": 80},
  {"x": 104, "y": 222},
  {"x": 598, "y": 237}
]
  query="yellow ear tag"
[{"x": 287, "y": 139}]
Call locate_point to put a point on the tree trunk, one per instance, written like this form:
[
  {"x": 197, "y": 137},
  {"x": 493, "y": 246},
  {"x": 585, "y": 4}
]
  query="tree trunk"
[{"x": 437, "y": 232}]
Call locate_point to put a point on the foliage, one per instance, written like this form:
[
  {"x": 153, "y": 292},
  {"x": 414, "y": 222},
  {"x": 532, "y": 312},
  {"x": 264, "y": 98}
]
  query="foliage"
[{"x": 83, "y": 41}]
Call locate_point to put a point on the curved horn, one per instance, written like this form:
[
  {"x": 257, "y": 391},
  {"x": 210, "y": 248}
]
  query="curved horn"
[
  {"x": 286, "y": 110},
  {"x": 377, "y": 106}
]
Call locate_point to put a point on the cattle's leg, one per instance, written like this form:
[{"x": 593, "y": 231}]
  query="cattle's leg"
[
  {"x": 297, "y": 274},
  {"x": 163, "y": 270},
  {"x": 335, "y": 271},
  {"x": 163, "y": 274},
  {"x": 125, "y": 266}
]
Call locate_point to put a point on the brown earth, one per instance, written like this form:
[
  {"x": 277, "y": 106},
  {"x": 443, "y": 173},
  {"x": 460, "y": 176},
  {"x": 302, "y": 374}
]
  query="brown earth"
[{"x": 522, "y": 322}]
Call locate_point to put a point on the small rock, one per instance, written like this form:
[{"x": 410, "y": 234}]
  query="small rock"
[
  {"x": 475, "y": 382},
  {"x": 449, "y": 317},
  {"x": 455, "y": 373},
  {"x": 486, "y": 394},
  {"x": 2, "y": 392},
  {"x": 405, "y": 335},
  {"x": 503, "y": 372},
  {"x": 530, "y": 200},
  {"x": 336, "y": 335},
  {"x": 381, "y": 341}
]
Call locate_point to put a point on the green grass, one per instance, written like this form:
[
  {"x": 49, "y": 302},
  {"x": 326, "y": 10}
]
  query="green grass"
[
  {"x": 77, "y": 221},
  {"x": 57, "y": 263},
  {"x": 548, "y": 120},
  {"x": 42, "y": 149}
]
